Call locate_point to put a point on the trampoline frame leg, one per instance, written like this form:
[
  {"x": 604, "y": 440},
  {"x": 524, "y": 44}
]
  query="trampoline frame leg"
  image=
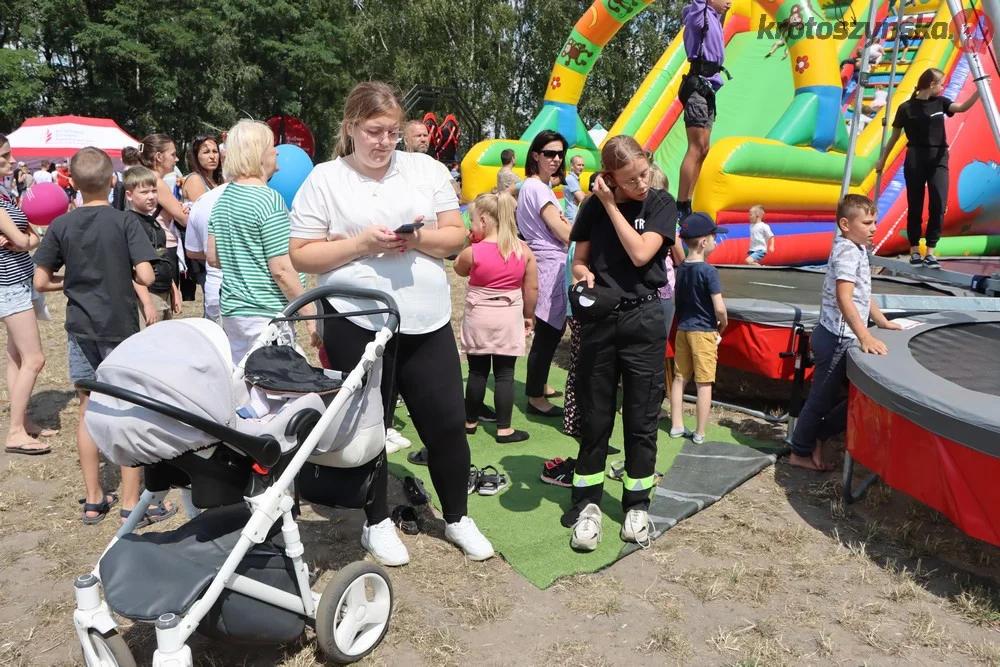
[{"x": 849, "y": 494}]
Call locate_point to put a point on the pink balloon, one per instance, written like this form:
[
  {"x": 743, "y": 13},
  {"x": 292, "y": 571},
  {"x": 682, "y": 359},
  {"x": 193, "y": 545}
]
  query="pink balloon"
[{"x": 43, "y": 203}]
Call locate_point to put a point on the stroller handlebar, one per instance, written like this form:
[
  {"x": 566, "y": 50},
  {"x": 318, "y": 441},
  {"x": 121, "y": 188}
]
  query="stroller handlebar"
[
  {"x": 264, "y": 450},
  {"x": 323, "y": 291}
]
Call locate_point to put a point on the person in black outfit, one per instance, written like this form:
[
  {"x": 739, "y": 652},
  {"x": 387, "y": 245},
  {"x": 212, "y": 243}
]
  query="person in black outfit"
[
  {"x": 622, "y": 236},
  {"x": 926, "y": 165}
]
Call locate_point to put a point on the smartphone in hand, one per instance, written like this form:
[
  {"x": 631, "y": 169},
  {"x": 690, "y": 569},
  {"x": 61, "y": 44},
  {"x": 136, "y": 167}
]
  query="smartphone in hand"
[{"x": 408, "y": 228}]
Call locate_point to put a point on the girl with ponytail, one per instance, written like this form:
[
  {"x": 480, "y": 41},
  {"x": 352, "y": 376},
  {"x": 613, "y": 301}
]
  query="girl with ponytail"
[{"x": 499, "y": 308}]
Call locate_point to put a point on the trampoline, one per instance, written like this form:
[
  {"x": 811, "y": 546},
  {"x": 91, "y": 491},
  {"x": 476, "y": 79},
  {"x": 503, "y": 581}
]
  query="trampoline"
[
  {"x": 926, "y": 417},
  {"x": 772, "y": 312}
]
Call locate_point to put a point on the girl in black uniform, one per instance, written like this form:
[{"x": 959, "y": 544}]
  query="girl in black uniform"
[
  {"x": 622, "y": 235},
  {"x": 922, "y": 118}
]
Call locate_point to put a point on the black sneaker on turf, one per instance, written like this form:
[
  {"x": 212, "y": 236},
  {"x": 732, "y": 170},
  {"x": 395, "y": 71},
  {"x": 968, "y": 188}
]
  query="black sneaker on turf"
[
  {"x": 931, "y": 262},
  {"x": 915, "y": 259},
  {"x": 487, "y": 415},
  {"x": 559, "y": 473}
]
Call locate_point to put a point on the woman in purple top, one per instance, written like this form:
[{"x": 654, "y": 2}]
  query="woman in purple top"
[{"x": 545, "y": 230}]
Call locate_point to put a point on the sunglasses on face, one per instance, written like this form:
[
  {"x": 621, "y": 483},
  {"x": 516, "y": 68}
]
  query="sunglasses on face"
[{"x": 553, "y": 154}]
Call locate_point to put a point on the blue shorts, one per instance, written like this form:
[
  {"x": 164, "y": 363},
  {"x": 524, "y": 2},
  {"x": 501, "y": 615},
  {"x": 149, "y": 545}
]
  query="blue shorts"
[
  {"x": 15, "y": 298},
  {"x": 85, "y": 356},
  {"x": 757, "y": 255}
]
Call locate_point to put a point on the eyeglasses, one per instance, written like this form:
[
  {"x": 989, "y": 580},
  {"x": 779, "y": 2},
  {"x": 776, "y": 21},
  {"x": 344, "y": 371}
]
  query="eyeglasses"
[
  {"x": 376, "y": 136},
  {"x": 554, "y": 154},
  {"x": 645, "y": 177}
]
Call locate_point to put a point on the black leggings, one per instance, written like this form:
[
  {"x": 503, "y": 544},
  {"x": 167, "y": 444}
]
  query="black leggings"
[
  {"x": 429, "y": 378},
  {"x": 925, "y": 168},
  {"x": 503, "y": 390},
  {"x": 543, "y": 348}
]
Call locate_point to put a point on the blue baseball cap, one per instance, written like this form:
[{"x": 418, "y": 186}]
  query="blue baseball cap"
[{"x": 697, "y": 225}]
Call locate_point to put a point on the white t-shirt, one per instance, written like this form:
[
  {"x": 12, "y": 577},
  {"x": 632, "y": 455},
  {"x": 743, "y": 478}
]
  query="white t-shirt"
[
  {"x": 848, "y": 261},
  {"x": 760, "y": 234},
  {"x": 336, "y": 202},
  {"x": 196, "y": 240},
  {"x": 42, "y": 176}
]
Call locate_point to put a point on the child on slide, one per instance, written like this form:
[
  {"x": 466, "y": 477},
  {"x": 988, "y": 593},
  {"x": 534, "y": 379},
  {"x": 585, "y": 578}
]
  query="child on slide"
[{"x": 761, "y": 236}]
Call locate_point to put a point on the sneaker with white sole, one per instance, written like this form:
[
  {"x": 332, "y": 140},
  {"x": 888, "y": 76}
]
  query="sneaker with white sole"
[
  {"x": 465, "y": 535},
  {"x": 394, "y": 441},
  {"x": 635, "y": 528},
  {"x": 698, "y": 438},
  {"x": 382, "y": 541},
  {"x": 682, "y": 433},
  {"x": 587, "y": 529}
]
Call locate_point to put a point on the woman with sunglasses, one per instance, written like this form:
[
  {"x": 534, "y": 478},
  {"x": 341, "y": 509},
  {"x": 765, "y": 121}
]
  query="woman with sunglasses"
[
  {"x": 623, "y": 234},
  {"x": 384, "y": 219},
  {"x": 546, "y": 231}
]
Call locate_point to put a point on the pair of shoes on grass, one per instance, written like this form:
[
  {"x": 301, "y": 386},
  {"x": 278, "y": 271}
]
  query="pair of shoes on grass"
[{"x": 587, "y": 530}]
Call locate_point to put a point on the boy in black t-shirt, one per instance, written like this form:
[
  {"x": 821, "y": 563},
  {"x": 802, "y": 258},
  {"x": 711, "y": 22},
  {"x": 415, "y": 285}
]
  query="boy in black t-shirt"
[
  {"x": 163, "y": 298},
  {"x": 102, "y": 250},
  {"x": 701, "y": 319}
]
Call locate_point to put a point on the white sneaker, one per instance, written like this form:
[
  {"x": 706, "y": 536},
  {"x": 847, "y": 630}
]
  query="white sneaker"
[
  {"x": 698, "y": 439},
  {"x": 466, "y": 536},
  {"x": 635, "y": 528},
  {"x": 382, "y": 541},
  {"x": 394, "y": 441},
  {"x": 587, "y": 529}
]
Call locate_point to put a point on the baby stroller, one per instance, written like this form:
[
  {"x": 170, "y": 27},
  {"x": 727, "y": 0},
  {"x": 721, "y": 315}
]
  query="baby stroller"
[{"x": 170, "y": 399}]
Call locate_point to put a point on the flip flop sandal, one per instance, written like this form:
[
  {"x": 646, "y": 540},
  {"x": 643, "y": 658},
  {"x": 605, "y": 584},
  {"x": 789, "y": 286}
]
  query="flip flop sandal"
[
  {"x": 153, "y": 515},
  {"x": 493, "y": 483},
  {"x": 29, "y": 451},
  {"x": 415, "y": 491},
  {"x": 102, "y": 508},
  {"x": 474, "y": 475},
  {"x": 405, "y": 517},
  {"x": 418, "y": 457}
]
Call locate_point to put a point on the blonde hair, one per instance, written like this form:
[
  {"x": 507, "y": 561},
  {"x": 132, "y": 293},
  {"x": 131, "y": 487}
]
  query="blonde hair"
[
  {"x": 246, "y": 144},
  {"x": 619, "y": 152},
  {"x": 499, "y": 208},
  {"x": 137, "y": 177},
  {"x": 757, "y": 212},
  {"x": 368, "y": 100},
  {"x": 657, "y": 179}
]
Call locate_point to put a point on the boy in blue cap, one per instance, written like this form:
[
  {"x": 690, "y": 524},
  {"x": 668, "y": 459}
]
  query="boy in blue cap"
[
  {"x": 701, "y": 319},
  {"x": 706, "y": 49}
]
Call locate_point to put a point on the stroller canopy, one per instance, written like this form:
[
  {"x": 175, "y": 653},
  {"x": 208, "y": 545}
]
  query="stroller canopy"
[{"x": 184, "y": 363}]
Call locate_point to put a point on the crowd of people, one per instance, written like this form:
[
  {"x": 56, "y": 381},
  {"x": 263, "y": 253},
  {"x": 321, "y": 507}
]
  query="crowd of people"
[{"x": 621, "y": 263}]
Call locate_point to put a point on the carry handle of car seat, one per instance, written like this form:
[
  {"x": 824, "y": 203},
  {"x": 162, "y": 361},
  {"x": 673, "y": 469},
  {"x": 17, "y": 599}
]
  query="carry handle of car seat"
[
  {"x": 264, "y": 450},
  {"x": 324, "y": 291}
]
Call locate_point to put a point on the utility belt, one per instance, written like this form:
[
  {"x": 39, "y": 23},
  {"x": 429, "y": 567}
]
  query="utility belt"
[
  {"x": 707, "y": 68},
  {"x": 631, "y": 304}
]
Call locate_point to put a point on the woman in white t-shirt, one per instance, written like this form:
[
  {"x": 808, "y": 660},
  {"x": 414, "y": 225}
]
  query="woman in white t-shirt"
[{"x": 343, "y": 219}]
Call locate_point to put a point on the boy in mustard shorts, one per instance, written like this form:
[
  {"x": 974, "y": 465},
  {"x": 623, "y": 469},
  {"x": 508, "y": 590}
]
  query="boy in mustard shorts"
[{"x": 701, "y": 319}]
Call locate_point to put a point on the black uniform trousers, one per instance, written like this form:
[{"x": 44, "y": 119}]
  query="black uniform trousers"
[
  {"x": 925, "y": 167},
  {"x": 629, "y": 344}
]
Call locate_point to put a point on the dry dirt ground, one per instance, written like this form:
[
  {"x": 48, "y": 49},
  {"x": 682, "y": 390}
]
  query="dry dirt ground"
[{"x": 776, "y": 573}]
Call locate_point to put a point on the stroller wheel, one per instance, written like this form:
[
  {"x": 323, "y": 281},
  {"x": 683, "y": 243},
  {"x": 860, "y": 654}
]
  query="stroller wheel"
[
  {"x": 353, "y": 612},
  {"x": 111, "y": 650}
]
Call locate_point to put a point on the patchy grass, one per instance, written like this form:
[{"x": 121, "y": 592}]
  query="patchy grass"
[{"x": 667, "y": 640}]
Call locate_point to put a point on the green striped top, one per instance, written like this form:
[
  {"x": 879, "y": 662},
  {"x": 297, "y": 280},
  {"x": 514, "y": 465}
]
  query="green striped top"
[{"x": 251, "y": 225}]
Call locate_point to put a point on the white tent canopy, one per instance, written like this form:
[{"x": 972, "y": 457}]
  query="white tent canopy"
[{"x": 60, "y": 137}]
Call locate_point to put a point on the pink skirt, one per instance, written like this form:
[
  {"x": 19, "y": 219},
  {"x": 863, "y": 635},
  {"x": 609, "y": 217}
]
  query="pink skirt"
[{"x": 493, "y": 322}]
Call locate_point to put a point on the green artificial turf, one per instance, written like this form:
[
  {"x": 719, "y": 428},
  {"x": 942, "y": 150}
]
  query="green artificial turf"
[{"x": 522, "y": 521}]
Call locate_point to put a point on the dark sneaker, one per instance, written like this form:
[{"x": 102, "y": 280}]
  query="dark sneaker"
[
  {"x": 915, "y": 259},
  {"x": 487, "y": 415},
  {"x": 931, "y": 262},
  {"x": 559, "y": 472}
]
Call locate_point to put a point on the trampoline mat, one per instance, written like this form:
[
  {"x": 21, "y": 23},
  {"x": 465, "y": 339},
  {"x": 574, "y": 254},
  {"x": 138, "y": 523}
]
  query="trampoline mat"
[
  {"x": 796, "y": 286},
  {"x": 965, "y": 354}
]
